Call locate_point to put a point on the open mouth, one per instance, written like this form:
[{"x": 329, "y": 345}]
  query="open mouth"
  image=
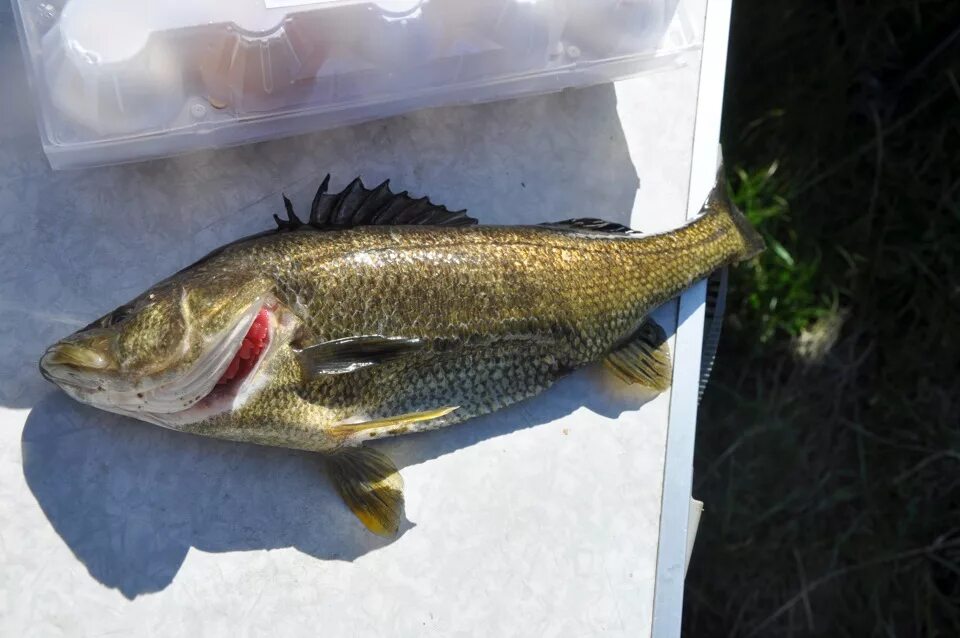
[
  {"x": 232, "y": 384},
  {"x": 244, "y": 362},
  {"x": 251, "y": 348}
]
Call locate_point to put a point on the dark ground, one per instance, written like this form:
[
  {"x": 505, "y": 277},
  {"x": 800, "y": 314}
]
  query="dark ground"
[{"x": 828, "y": 448}]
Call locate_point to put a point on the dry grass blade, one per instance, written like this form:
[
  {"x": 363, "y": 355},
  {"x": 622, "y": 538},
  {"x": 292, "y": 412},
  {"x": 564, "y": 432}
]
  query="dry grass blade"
[{"x": 803, "y": 594}]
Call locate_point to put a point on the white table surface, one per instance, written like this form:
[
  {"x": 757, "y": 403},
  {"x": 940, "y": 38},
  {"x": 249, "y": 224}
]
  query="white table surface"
[{"x": 540, "y": 520}]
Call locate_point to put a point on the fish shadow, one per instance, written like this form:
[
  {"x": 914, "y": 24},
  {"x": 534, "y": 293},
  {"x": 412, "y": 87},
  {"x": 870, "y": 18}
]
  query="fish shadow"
[{"x": 131, "y": 499}]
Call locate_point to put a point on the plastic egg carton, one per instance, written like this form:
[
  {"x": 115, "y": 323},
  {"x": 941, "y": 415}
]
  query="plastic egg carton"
[{"x": 121, "y": 80}]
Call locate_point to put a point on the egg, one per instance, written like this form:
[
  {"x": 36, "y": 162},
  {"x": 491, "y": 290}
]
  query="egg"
[
  {"x": 111, "y": 77},
  {"x": 251, "y": 72}
]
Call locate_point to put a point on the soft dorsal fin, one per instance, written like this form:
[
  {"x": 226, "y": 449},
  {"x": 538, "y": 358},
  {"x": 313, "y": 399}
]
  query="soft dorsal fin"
[
  {"x": 356, "y": 205},
  {"x": 590, "y": 224}
]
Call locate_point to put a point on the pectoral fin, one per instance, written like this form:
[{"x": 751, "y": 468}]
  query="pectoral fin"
[
  {"x": 371, "y": 486},
  {"x": 341, "y": 356},
  {"x": 644, "y": 359},
  {"x": 378, "y": 428}
]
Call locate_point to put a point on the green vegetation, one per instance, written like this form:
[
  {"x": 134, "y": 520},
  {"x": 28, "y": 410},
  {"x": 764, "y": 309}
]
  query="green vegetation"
[
  {"x": 780, "y": 291},
  {"x": 828, "y": 448}
]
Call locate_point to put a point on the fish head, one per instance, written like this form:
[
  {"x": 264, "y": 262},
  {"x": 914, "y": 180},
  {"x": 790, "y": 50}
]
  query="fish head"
[{"x": 169, "y": 353}]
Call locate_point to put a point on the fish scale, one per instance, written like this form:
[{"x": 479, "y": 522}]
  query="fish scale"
[
  {"x": 384, "y": 315},
  {"x": 581, "y": 294}
]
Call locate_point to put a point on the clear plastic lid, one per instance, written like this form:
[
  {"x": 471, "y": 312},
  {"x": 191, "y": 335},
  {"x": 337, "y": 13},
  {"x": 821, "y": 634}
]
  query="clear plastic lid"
[{"x": 119, "y": 80}]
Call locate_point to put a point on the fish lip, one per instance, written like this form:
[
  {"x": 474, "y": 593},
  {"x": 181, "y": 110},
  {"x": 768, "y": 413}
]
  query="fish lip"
[
  {"x": 49, "y": 371},
  {"x": 43, "y": 371}
]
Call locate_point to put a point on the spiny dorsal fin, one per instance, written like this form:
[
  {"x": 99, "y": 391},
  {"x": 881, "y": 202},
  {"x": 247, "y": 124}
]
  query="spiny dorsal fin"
[
  {"x": 292, "y": 222},
  {"x": 356, "y": 205},
  {"x": 590, "y": 224},
  {"x": 644, "y": 359}
]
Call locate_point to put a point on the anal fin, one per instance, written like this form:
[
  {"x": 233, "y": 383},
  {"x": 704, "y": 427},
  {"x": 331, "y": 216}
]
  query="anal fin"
[
  {"x": 644, "y": 359},
  {"x": 379, "y": 428},
  {"x": 371, "y": 486}
]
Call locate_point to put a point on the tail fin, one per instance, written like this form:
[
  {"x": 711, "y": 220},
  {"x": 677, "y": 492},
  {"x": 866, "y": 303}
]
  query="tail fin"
[{"x": 719, "y": 203}]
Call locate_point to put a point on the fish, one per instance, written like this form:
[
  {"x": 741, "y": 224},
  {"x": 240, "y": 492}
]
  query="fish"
[{"x": 384, "y": 314}]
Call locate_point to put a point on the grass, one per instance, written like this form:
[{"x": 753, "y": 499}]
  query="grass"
[{"x": 828, "y": 448}]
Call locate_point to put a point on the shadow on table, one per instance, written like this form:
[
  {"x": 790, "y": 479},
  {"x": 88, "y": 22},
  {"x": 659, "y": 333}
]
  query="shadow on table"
[{"x": 130, "y": 499}]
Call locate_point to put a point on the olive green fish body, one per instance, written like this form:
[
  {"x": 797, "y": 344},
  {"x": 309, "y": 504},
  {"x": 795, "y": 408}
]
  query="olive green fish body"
[
  {"x": 504, "y": 311},
  {"x": 386, "y": 315}
]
